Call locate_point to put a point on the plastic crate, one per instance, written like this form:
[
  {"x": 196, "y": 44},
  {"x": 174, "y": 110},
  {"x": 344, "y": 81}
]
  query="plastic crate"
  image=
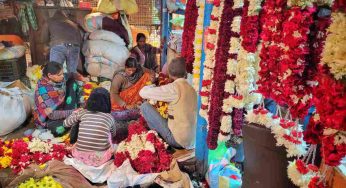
[{"x": 12, "y": 69}]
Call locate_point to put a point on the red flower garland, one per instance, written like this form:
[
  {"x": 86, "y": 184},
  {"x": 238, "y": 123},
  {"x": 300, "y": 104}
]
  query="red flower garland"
[
  {"x": 219, "y": 77},
  {"x": 271, "y": 18},
  {"x": 249, "y": 29},
  {"x": 190, "y": 23}
]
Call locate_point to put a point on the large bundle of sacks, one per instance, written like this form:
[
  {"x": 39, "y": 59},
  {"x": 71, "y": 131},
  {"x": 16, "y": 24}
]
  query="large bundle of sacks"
[{"x": 106, "y": 49}]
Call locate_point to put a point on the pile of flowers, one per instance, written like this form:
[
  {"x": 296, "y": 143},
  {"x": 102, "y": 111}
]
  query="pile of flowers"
[
  {"x": 87, "y": 89},
  {"x": 145, "y": 150},
  {"x": 19, "y": 154},
  {"x": 47, "y": 181},
  {"x": 34, "y": 73}
]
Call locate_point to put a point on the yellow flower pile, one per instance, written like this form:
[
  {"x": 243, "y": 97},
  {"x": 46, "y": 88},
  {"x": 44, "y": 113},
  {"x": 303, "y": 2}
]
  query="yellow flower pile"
[
  {"x": 47, "y": 182},
  {"x": 34, "y": 73}
]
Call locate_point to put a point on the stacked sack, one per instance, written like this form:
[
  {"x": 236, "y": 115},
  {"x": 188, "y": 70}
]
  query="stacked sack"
[{"x": 106, "y": 49}]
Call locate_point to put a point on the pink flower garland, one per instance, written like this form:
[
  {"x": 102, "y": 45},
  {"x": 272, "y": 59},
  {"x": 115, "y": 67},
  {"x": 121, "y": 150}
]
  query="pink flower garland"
[{"x": 190, "y": 23}]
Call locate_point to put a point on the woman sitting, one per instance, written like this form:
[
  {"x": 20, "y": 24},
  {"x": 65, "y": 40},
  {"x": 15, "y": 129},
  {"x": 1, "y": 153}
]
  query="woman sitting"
[
  {"x": 125, "y": 89},
  {"x": 55, "y": 98},
  {"x": 96, "y": 125}
]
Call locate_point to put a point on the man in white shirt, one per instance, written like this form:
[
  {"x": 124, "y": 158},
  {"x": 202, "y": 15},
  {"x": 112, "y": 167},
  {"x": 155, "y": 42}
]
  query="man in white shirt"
[{"x": 179, "y": 130}]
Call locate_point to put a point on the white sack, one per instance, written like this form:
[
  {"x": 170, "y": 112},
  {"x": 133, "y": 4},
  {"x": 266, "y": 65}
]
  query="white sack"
[
  {"x": 109, "y": 50},
  {"x": 107, "y": 36}
]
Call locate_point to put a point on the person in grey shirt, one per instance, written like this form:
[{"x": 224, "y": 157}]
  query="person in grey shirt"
[{"x": 65, "y": 40}]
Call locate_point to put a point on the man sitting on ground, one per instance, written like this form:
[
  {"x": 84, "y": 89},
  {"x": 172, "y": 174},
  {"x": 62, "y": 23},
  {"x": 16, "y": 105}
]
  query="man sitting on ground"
[{"x": 179, "y": 130}]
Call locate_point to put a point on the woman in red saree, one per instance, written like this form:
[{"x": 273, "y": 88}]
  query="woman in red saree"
[{"x": 125, "y": 89}]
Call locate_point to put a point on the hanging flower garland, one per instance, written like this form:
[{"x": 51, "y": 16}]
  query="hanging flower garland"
[
  {"x": 190, "y": 23},
  {"x": 294, "y": 90},
  {"x": 198, "y": 43},
  {"x": 334, "y": 53},
  {"x": 271, "y": 19},
  {"x": 209, "y": 63},
  {"x": 145, "y": 150},
  {"x": 232, "y": 119},
  {"x": 219, "y": 78}
]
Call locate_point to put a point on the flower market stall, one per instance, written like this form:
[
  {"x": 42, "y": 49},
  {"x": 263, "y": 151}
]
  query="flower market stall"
[
  {"x": 287, "y": 52},
  {"x": 269, "y": 77}
]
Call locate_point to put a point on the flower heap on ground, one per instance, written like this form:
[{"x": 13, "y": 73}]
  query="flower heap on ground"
[
  {"x": 145, "y": 150},
  {"x": 190, "y": 24},
  {"x": 198, "y": 43},
  {"x": 18, "y": 154},
  {"x": 209, "y": 63},
  {"x": 46, "y": 181}
]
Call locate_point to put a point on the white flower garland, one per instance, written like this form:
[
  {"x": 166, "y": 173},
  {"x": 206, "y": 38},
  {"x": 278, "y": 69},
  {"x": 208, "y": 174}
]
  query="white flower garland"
[
  {"x": 301, "y": 180},
  {"x": 334, "y": 52},
  {"x": 209, "y": 62},
  {"x": 198, "y": 42},
  {"x": 230, "y": 102}
]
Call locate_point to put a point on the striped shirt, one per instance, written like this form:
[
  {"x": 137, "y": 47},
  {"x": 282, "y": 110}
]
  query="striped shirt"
[{"x": 94, "y": 129}]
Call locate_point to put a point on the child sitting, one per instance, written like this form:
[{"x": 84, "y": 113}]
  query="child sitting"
[
  {"x": 95, "y": 123},
  {"x": 180, "y": 129}
]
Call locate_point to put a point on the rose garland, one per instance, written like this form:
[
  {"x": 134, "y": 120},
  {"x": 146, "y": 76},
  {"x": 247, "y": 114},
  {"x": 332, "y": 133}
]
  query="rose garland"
[
  {"x": 145, "y": 150},
  {"x": 187, "y": 49},
  {"x": 198, "y": 45},
  {"x": 334, "y": 53},
  {"x": 209, "y": 63}
]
